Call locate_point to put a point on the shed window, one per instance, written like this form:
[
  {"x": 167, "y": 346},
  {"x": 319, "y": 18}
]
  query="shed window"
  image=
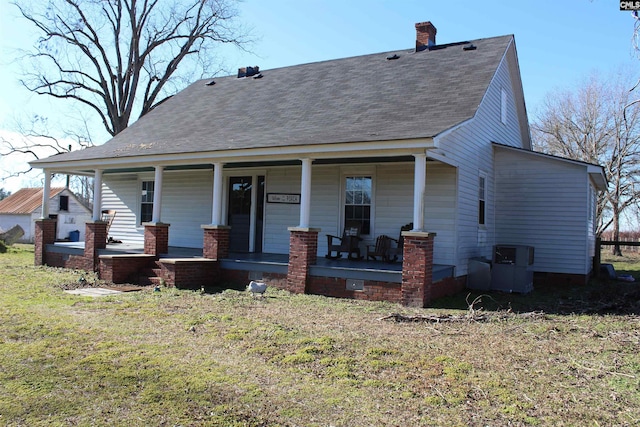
[
  {"x": 146, "y": 202},
  {"x": 357, "y": 204},
  {"x": 64, "y": 203}
]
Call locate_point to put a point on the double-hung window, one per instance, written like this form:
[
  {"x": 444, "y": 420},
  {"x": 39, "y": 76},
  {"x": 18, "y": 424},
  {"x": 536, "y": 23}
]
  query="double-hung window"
[
  {"x": 146, "y": 202},
  {"x": 358, "y": 200}
]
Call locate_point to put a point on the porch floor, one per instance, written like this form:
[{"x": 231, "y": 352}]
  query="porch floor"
[{"x": 274, "y": 263}]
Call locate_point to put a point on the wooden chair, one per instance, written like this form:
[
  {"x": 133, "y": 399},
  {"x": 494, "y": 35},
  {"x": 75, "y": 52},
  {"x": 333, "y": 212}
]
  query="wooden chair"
[
  {"x": 349, "y": 242},
  {"x": 380, "y": 249},
  {"x": 107, "y": 216},
  {"x": 395, "y": 253}
]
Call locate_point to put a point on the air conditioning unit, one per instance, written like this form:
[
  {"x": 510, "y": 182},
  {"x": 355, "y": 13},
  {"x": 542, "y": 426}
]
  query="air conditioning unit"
[{"x": 512, "y": 268}]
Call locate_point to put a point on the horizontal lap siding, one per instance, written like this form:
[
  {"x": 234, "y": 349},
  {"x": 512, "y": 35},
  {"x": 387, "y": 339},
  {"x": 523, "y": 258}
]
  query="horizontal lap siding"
[
  {"x": 543, "y": 203},
  {"x": 121, "y": 193},
  {"x": 187, "y": 199},
  {"x": 280, "y": 216},
  {"x": 470, "y": 147},
  {"x": 186, "y": 205}
]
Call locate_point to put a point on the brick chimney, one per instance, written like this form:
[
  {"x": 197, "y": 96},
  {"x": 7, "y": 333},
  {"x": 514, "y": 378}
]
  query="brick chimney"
[{"x": 425, "y": 35}]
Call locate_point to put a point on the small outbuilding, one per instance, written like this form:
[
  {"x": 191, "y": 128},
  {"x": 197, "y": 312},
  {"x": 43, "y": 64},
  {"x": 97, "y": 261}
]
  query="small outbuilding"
[{"x": 24, "y": 207}]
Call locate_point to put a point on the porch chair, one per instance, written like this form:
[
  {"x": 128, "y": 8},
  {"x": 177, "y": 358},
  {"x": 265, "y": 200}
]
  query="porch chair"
[
  {"x": 395, "y": 253},
  {"x": 380, "y": 249},
  {"x": 107, "y": 216},
  {"x": 349, "y": 242}
]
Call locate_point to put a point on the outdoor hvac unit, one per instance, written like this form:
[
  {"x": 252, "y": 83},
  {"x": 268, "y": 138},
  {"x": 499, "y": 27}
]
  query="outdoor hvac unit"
[{"x": 512, "y": 268}]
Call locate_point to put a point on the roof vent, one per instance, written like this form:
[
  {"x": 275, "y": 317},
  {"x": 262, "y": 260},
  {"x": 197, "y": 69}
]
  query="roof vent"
[
  {"x": 391, "y": 58},
  {"x": 258, "y": 76},
  {"x": 469, "y": 47},
  {"x": 211, "y": 83},
  {"x": 248, "y": 71}
]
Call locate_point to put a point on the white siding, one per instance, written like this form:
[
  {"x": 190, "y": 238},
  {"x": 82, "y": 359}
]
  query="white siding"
[
  {"x": 73, "y": 219},
  {"x": 280, "y": 216},
  {"x": 469, "y": 147},
  {"x": 25, "y": 221},
  {"x": 543, "y": 203},
  {"x": 186, "y": 205}
]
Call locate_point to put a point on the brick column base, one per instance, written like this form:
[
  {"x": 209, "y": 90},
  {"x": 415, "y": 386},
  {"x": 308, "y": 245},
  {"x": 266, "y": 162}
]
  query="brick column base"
[
  {"x": 156, "y": 238},
  {"x": 45, "y": 234},
  {"x": 417, "y": 268},
  {"x": 95, "y": 238},
  {"x": 216, "y": 241},
  {"x": 303, "y": 253}
]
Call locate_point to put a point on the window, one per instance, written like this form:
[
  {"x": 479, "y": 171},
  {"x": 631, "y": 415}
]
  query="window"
[
  {"x": 482, "y": 198},
  {"x": 357, "y": 203},
  {"x": 64, "y": 203},
  {"x": 503, "y": 106},
  {"x": 146, "y": 202}
]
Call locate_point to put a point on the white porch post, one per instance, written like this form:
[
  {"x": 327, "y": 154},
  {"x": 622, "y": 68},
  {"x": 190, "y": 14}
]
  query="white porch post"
[
  {"x": 157, "y": 195},
  {"x": 97, "y": 195},
  {"x": 419, "y": 185},
  {"x": 216, "y": 210},
  {"x": 305, "y": 194},
  {"x": 46, "y": 194}
]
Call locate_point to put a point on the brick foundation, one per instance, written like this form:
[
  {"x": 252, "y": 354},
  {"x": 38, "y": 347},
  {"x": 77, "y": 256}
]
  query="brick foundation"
[
  {"x": 216, "y": 241},
  {"x": 189, "y": 273},
  {"x": 417, "y": 268},
  {"x": 125, "y": 268},
  {"x": 156, "y": 238},
  {"x": 336, "y": 287},
  {"x": 45, "y": 234},
  {"x": 303, "y": 253},
  {"x": 95, "y": 239}
]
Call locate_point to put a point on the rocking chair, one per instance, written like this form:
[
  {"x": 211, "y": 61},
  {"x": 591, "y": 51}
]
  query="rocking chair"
[
  {"x": 380, "y": 249},
  {"x": 397, "y": 251},
  {"x": 349, "y": 242}
]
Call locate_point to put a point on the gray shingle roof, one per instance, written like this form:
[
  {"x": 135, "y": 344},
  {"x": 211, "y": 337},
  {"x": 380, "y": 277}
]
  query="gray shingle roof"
[{"x": 363, "y": 98}]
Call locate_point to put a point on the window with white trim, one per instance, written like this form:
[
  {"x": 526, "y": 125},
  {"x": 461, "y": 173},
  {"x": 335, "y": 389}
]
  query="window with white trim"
[
  {"x": 358, "y": 201},
  {"x": 482, "y": 199},
  {"x": 146, "y": 202}
]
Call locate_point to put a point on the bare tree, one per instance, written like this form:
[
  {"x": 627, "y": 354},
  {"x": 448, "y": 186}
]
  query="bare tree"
[
  {"x": 598, "y": 123},
  {"x": 120, "y": 58},
  {"x": 115, "y": 60}
]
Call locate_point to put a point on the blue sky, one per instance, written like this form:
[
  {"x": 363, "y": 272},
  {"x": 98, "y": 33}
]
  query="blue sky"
[{"x": 559, "y": 43}]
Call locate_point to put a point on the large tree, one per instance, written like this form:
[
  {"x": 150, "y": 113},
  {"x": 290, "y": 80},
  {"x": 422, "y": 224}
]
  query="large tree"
[
  {"x": 597, "y": 123},
  {"x": 120, "y": 58},
  {"x": 115, "y": 60}
]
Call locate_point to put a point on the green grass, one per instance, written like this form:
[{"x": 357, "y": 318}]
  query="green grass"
[{"x": 181, "y": 358}]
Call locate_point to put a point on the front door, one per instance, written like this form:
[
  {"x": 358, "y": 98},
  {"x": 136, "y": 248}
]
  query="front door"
[{"x": 246, "y": 194}]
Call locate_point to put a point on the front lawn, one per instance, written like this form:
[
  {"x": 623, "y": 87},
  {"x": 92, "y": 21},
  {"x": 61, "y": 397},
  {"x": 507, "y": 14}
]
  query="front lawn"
[{"x": 184, "y": 358}]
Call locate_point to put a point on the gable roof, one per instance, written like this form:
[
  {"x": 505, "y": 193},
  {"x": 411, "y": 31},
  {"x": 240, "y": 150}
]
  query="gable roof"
[
  {"x": 25, "y": 200},
  {"x": 358, "y": 99}
]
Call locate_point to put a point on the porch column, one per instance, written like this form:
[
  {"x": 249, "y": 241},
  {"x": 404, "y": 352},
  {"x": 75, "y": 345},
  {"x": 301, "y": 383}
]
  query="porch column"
[
  {"x": 156, "y": 233},
  {"x": 305, "y": 194},
  {"x": 94, "y": 240},
  {"x": 157, "y": 195},
  {"x": 97, "y": 195},
  {"x": 46, "y": 194},
  {"x": 45, "y": 234},
  {"x": 419, "y": 185},
  {"x": 303, "y": 253},
  {"x": 216, "y": 209},
  {"x": 417, "y": 268}
]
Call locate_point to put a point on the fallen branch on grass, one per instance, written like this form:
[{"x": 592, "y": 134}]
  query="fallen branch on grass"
[{"x": 470, "y": 317}]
